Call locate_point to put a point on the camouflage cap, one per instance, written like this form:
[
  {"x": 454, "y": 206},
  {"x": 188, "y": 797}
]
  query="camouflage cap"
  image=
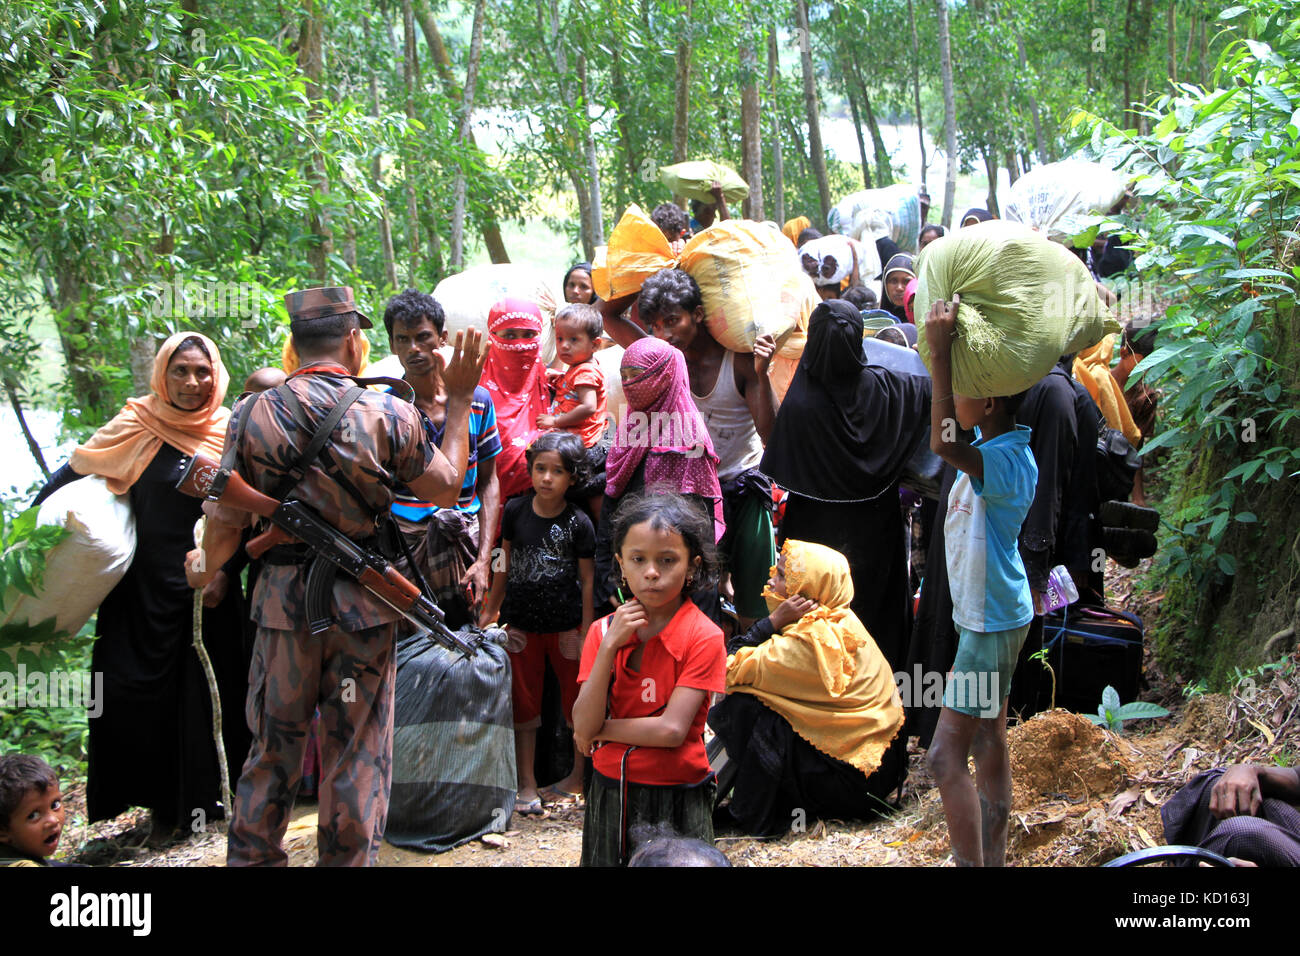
[{"x": 307, "y": 304}]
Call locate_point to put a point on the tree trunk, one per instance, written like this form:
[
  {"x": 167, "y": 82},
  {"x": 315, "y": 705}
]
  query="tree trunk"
[
  {"x": 991, "y": 170},
  {"x": 681, "y": 110},
  {"x": 884, "y": 172},
  {"x": 621, "y": 94},
  {"x": 1013, "y": 168},
  {"x": 1129, "y": 117},
  {"x": 816, "y": 153},
  {"x": 376, "y": 177},
  {"x": 916, "y": 88},
  {"x": 778, "y": 161},
  {"x": 949, "y": 113},
  {"x": 491, "y": 230},
  {"x": 311, "y": 60},
  {"x": 862, "y": 143},
  {"x": 408, "y": 161},
  {"x": 1039, "y": 140},
  {"x": 1171, "y": 28},
  {"x": 466, "y": 109},
  {"x": 593, "y": 161},
  {"x": 32, "y": 444},
  {"x": 751, "y": 132}
]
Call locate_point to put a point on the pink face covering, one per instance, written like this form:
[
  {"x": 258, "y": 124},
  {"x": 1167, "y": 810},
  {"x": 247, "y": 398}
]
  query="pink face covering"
[
  {"x": 909, "y": 294},
  {"x": 515, "y": 376},
  {"x": 663, "y": 429}
]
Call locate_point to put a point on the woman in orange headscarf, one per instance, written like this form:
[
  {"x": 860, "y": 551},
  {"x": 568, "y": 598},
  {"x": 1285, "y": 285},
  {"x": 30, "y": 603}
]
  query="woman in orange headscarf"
[
  {"x": 151, "y": 743},
  {"x": 812, "y": 720}
]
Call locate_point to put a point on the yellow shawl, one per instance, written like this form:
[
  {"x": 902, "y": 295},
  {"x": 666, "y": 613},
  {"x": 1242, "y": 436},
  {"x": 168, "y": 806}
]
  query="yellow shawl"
[
  {"x": 824, "y": 673},
  {"x": 1092, "y": 369}
]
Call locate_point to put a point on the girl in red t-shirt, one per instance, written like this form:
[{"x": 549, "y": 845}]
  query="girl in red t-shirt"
[{"x": 647, "y": 672}]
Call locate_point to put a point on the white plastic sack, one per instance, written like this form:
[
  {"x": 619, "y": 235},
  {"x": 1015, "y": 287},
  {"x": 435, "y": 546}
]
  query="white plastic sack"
[
  {"x": 894, "y": 211},
  {"x": 82, "y": 568},
  {"x": 467, "y": 297},
  {"x": 1057, "y": 199}
]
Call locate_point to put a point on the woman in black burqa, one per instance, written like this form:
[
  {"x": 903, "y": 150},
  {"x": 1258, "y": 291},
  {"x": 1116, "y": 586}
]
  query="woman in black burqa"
[
  {"x": 840, "y": 442},
  {"x": 151, "y": 746}
]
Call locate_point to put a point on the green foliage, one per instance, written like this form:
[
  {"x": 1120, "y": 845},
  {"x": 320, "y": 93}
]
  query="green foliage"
[
  {"x": 1111, "y": 715},
  {"x": 22, "y": 551},
  {"x": 1195, "y": 689},
  {"x": 1220, "y": 171}
]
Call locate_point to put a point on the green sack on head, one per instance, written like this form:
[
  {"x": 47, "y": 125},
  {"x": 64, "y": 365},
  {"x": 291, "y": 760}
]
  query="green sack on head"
[
  {"x": 693, "y": 179},
  {"x": 1025, "y": 302}
]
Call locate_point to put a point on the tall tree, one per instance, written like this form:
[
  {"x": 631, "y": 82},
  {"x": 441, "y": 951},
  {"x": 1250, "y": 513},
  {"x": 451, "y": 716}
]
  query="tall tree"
[
  {"x": 751, "y": 166},
  {"x": 916, "y": 88},
  {"x": 311, "y": 60},
  {"x": 465, "y": 109},
  {"x": 949, "y": 112},
  {"x": 816, "y": 153},
  {"x": 408, "y": 159},
  {"x": 778, "y": 161},
  {"x": 682, "y": 104}
]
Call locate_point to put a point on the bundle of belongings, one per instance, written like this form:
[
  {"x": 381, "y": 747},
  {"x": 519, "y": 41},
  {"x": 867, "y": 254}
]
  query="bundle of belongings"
[{"x": 1024, "y": 303}]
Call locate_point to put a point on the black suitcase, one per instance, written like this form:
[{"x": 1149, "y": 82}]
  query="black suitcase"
[{"x": 1092, "y": 647}]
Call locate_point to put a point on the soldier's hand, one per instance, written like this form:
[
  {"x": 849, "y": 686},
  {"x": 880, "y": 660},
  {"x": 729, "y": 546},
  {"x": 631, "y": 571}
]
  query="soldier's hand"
[{"x": 462, "y": 373}]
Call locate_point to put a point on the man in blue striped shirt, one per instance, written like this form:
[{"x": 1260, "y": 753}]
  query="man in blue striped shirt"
[{"x": 452, "y": 546}]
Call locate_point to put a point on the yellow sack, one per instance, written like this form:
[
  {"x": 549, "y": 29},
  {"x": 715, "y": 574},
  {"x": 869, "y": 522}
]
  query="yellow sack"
[
  {"x": 752, "y": 285},
  {"x": 693, "y": 179},
  {"x": 1092, "y": 369},
  {"x": 637, "y": 250},
  {"x": 1025, "y": 302}
]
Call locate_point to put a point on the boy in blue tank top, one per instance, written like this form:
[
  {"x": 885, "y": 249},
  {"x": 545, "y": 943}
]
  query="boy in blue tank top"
[{"x": 992, "y": 604}]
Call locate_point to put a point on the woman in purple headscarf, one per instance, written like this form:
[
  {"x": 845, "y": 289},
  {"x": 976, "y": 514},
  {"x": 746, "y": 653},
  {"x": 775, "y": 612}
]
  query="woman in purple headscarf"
[{"x": 661, "y": 444}]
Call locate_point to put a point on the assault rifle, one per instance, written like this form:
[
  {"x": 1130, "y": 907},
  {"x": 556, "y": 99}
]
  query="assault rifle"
[{"x": 205, "y": 478}]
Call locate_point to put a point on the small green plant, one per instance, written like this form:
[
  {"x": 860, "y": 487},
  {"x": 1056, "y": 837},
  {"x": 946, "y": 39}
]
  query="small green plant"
[
  {"x": 1196, "y": 689},
  {"x": 1112, "y": 715},
  {"x": 1041, "y": 656}
]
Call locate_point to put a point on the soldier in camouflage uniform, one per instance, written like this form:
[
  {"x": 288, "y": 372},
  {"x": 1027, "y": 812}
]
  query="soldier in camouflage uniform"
[{"x": 349, "y": 670}]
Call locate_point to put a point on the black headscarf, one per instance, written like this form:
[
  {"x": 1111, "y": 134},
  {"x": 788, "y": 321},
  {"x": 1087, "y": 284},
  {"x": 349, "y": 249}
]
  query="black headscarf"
[
  {"x": 983, "y": 215},
  {"x": 585, "y": 267},
  {"x": 896, "y": 262},
  {"x": 846, "y": 427}
]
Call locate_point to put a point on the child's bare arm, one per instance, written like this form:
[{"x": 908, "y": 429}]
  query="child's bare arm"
[
  {"x": 589, "y": 708},
  {"x": 758, "y": 391},
  {"x": 940, "y": 328},
  {"x": 668, "y": 729},
  {"x": 587, "y": 574},
  {"x": 492, "y": 606},
  {"x": 584, "y": 410}
]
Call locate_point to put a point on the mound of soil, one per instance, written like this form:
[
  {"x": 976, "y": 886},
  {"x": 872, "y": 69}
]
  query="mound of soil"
[
  {"x": 1205, "y": 721},
  {"x": 1060, "y": 754}
]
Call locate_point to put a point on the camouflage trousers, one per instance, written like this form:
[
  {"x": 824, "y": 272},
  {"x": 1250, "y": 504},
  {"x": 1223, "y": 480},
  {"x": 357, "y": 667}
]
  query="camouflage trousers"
[{"x": 350, "y": 677}]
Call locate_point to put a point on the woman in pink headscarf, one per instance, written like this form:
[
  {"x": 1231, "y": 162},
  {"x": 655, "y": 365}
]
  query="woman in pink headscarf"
[
  {"x": 515, "y": 375},
  {"x": 661, "y": 444}
]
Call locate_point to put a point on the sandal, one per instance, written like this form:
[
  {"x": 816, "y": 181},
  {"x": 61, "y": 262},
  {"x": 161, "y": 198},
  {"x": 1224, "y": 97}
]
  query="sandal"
[
  {"x": 532, "y": 808},
  {"x": 554, "y": 794}
]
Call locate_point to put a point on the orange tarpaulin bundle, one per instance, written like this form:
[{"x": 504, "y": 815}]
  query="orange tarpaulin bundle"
[
  {"x": 1092, "y": 369},
  {"x": 637, "y": 250}
]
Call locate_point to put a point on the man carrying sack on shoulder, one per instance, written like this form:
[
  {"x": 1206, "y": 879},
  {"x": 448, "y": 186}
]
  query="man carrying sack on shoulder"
[{"x": 371, "y": 442}]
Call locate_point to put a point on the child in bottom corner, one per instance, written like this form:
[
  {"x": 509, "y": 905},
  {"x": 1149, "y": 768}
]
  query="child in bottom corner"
[
  {"x": 647, "y": 674},
  {"x": 992, "y": 603},
  {"x": 543, "y": 593},
  {"x": 31, "y": 811}
]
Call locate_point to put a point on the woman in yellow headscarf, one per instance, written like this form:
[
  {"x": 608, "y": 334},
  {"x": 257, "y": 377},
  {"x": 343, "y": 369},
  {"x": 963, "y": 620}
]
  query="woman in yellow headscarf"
[
  {"x": 812, "y": 717},
  {"x": 151, "y": 743}
]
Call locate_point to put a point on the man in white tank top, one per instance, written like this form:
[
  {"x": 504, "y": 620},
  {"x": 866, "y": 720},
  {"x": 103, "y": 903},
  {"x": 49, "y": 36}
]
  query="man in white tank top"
[{"x": 735, "y": 398}]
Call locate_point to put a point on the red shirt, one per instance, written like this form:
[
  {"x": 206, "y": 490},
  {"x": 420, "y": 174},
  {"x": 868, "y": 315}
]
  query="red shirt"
[
  {"x": 586, "y": 375},
  {"x": 689, "y": 652}
]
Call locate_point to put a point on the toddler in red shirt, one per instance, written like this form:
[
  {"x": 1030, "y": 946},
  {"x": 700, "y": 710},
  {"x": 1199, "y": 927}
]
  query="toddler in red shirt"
[
  {"x": 580, "y": 400},
  {"x": 646, "y": 675}
]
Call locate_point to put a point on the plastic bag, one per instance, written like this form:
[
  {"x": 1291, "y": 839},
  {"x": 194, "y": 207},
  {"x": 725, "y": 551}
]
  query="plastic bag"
[
  {"x": 467, "y": 298},
  {"x": 894, "y": 211},
  {"x": 1058, "y": 199},
  {"x": 453, "y": 744},
  {"x": 692, "y": 179},
  {"x": 753, "y": 286},
  {"x": 834, "y": 257},
  {"x": 1025, "y": 302},
  {"x": 82, "y": 568},
  {"x": 637, "y": 250}
]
